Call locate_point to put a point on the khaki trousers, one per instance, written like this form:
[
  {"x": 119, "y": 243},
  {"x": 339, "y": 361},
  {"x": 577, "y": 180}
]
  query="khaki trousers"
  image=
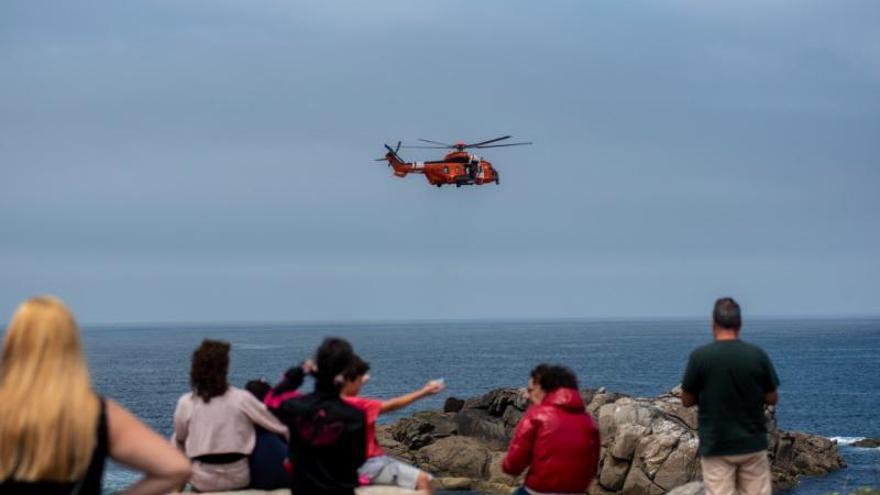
[{"x": 743, "y": 474}]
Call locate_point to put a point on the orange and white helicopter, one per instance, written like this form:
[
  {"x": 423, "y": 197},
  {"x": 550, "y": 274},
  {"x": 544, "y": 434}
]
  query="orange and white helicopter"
[{"x": 458, "y": 166}]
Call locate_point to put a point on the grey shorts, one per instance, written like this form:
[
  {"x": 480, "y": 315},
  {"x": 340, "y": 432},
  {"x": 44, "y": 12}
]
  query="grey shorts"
[{"x": 384, "y": 470}]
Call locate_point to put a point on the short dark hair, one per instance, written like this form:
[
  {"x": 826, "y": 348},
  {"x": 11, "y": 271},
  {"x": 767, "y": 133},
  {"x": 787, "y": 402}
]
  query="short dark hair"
[
  {"x": 553, "y": 377},
  {"x": 538, "y": 371},
  {"x": 357, "y": 368},
  {"x": 259, "y": 388},
  {"x": 727, "y": 314},
  {"x": 333, "y": 357},
  {"x": 210, "y": 365}
]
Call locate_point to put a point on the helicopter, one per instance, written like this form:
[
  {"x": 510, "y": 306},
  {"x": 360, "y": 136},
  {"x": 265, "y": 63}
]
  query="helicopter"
[{"x": 458, "y": 166}]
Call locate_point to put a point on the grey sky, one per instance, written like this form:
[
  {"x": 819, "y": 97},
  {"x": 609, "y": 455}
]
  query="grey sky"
[{"x": 170, "y": 161}]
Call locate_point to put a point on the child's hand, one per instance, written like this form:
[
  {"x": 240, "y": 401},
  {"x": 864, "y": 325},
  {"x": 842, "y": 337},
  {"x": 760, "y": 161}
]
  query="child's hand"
[
  {"x": 309, "y": 366},
  {"x": 434, "y": 387}
]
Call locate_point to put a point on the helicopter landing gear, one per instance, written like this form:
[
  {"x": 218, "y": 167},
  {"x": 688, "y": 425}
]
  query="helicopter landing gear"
[{"x": 438, "y": 185}]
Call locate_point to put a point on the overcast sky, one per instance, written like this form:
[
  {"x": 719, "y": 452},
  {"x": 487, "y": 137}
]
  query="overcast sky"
[{"x": 180, "y": 161}]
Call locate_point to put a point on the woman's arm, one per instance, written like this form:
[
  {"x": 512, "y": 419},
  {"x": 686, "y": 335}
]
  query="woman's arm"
[
  {"x": 134, "y": 444},
  {"x": 257, "y": 412},
  {"x": 431, "y": 388}
]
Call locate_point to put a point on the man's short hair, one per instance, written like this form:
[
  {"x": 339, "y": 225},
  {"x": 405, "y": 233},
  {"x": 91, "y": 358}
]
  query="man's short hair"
[
  {"x": 551, "y": 378},
  {"x": 726, "y": 314}
]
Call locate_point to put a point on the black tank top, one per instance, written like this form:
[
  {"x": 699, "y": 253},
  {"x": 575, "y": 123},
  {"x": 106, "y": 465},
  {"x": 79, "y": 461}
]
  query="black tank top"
[{"x": 90, "y": 484}]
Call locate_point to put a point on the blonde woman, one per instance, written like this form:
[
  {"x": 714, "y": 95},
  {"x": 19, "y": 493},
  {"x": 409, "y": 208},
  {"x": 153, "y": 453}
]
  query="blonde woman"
[{"x": 55, "y": 432}]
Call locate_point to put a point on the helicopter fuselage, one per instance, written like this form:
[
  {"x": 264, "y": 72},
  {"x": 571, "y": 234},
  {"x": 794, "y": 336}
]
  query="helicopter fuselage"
[{"x": 458, "y": 167}]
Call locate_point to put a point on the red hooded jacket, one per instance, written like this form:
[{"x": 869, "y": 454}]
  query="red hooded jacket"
[{"x": 560, "y": 442}]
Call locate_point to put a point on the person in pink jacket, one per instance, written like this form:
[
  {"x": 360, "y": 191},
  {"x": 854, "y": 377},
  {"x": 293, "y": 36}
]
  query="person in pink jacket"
[{"x": 214, "y": 424}]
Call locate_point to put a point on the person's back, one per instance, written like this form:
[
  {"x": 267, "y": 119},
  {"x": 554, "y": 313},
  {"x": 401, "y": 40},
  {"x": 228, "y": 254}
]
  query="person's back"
[
  {"x": 732, "y": 377},
  {"x": 731, "y": 380},
  {"x": 214, "y": 424},
  {"x": 556, "y": 438},
  {"x": 55, "y": 432},
  {"x": 224, "y": 425},
  {"x": 327, "y": 436},
  {"x": 327, "y": 443}
]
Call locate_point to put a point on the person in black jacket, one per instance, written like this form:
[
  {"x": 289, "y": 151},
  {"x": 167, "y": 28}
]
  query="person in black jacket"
[{"x": 327, "y": 435}]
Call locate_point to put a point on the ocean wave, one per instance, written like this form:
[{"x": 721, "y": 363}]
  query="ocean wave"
[
  {"x": 256, "y": 347},
  {"x": 846, "y": 440}
]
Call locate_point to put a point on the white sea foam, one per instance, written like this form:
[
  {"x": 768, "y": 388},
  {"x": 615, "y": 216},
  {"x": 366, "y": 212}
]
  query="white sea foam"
[
  {"x": 256, "y": 347},
  {"x": 846, "y": 440}
]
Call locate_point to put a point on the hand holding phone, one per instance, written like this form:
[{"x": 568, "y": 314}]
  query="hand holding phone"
[{"x": 435, "y": 386}]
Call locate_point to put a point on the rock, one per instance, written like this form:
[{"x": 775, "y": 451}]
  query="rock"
[
  {"x": 613, "y": 473},
  {"x": 648, "y": 445},
  {"x": 449, "y": 483},
  {"x": 497, "y": 475},
  {"x": 626, "y": 439},
  {"x": 423, "y": 428},
  {"x": 597, "y": 489},
  {"x": 638, "y": 483},
  {"x": 364, "y": 490},
  {"x": 681, "y": 465},
  {"x": 652, "y": 451},
  {"x": 494, "y": 488},
  {"x": 692, "y": 488},
  {"x": 799, "y": 453},
  {"x": 479, "y": 424},
  {"x": 510, "y": 419},
  {"x": 452, "y": 405},
  {"x": 867, "y": 443},
  {"x": 455, "y": 456}
]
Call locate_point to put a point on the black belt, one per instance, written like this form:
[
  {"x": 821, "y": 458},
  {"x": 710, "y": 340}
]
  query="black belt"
[{"x": 219, "y": 458}]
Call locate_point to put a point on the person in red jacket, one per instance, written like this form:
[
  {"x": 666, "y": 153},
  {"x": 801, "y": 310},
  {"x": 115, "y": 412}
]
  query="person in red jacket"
[{"x": 556, "y": 438}]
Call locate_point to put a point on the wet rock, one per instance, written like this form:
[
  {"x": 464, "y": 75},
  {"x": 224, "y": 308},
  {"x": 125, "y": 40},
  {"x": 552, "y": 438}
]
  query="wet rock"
[
  {"x": 453, "y": 405},
  {"x": 423, "y": 428},
  {"x": 867, "y": 443}
]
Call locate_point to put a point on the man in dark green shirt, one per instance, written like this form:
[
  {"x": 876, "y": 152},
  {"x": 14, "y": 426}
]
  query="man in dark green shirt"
[{"x": 731, "y": 381}]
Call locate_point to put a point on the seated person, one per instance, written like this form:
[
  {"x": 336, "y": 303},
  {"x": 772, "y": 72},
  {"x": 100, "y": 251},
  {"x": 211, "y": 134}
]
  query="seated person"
[
  {"x": 556, "y": 438},
  {"x": 214, "y": 424},
  {"x": 56, "y": 432},
  {"x": 380, "y": 469},
  {"x": 327, "y": 435},
  {"x": 266, "y": 462}
]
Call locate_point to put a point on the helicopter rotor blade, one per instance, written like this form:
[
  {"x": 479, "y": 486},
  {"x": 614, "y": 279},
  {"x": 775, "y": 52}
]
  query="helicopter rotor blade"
[
  {"x": 428, "y": 147},
  {"x": 473, "y": 145},
  {"x": 436, "y": 142},
  {"x": 393, "y": 153},
  {"x": 398, "y": 147},
  {"x": 502, "y": 145}
]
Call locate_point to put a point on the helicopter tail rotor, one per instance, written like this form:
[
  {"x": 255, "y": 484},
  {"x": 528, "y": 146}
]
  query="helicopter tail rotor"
[{"x": 392, "y": 152}]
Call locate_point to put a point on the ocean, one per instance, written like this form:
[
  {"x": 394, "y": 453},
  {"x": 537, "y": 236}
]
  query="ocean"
[{"x": 828, "y": 367}]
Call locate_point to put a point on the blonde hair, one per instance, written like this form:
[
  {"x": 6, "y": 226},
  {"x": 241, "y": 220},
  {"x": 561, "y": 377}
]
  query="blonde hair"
[{"x": 48, "y": 411}]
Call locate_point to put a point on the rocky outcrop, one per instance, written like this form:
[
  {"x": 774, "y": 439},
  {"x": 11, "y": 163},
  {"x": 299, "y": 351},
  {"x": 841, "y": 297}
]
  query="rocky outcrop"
[
  {"x": 867, "y": 443},
  {"x": 649, "y": 446}
]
